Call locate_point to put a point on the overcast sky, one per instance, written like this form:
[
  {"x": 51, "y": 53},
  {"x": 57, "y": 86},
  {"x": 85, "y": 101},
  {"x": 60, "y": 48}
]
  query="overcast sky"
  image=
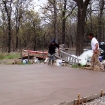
[{"x": 39, "y": 3}]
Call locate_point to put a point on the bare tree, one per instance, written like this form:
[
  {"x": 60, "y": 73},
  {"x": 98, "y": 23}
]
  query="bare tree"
[
  {"x": 18, "y": 16},
  {"x": 54, "y": 4},
  {"x": 8, "y": 10},
  {"x": 64, "y": 21},
  {"x": 82, "y": 8},
  {"x": 100, "y": 20},
  {"x": 65, "y": 14}
]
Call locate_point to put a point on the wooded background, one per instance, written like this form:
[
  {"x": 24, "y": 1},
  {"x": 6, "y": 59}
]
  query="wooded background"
[{"x": 68, "y": 21}]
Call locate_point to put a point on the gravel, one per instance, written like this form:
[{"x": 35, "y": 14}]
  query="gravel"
[{"x": 98, "y": 101}]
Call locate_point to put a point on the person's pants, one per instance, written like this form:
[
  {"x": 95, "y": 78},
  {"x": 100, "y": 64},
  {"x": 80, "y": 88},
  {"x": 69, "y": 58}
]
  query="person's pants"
[
  {"x": 95, "y": 60},
  {"x": 51, "y": 58}
]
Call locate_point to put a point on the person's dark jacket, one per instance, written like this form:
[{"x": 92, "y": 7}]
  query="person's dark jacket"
[{"x": 52, "y": 48}]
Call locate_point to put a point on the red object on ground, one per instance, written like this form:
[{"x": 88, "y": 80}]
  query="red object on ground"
[
  {"x": 36, "y": 52},
  {"x": 39, "y": 54}
]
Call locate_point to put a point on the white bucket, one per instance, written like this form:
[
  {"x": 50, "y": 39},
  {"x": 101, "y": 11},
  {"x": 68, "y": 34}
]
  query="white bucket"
[
  {"x": 59, "y": 62},
  {"x": 36, "y": 60},
  {"x": 46, "y": 60}
]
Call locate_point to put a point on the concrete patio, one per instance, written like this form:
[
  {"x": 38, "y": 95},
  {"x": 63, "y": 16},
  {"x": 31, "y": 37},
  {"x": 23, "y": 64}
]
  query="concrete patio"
[{"x": 41, "y": 84}]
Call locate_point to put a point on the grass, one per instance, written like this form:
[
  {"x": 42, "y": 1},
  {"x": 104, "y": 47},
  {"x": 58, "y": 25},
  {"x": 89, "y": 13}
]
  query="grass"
[
  {"x": 9, "y": 55},
  {"x": 11, "y": 58},
  {"x": 77, "y": 66}
]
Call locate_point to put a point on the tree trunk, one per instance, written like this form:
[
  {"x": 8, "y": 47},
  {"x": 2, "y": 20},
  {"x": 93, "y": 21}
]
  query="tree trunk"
[
  {"x": 91, "y": 23},
  {"x": 18, "y": 16},
  {"x": 9, "y": 35},
  {"x": 35, "y": 45},
  {"x": 80, "y": 32},
  {"x": 63, "y": 22},
  {"x": 100, "y": 34},
  {"x": 8, "y": 11},
  {"x": 55, "y": 21},
  {"x": 17, "y": 32},
  {"x": 82, "y": 8}
]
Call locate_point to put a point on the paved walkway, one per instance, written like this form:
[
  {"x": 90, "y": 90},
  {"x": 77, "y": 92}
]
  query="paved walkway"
[{"x": 46, "y": 85}]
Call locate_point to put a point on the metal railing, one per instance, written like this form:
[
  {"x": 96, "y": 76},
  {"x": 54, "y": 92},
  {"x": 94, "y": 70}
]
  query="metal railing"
[{"x": 67, "y": 57}]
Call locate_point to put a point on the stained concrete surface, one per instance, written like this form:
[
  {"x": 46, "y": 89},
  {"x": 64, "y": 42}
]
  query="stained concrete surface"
[{"x": 46, "y": 85}]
